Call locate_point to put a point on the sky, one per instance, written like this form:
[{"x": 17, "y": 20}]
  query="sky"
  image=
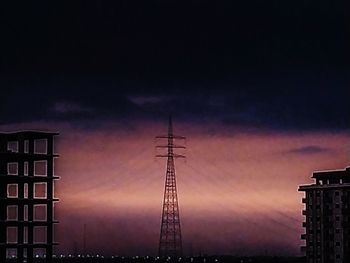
[{"x": 259, "y": 88}]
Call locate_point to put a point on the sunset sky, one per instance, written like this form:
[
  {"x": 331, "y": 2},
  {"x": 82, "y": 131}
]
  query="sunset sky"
[{"x": 260, "y": 90}]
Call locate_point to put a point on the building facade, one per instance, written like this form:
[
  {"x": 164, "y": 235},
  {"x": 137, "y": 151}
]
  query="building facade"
[
  {"x": 327, "y": 217},
  {"x": 27, "y": 195}
]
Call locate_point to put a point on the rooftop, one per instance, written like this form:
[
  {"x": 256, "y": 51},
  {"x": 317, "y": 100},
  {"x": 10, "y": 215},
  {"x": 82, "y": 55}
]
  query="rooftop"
[
  {"x": 332, "y": 179},
  {"x": 26, "y": 135},
  {"x": 332, "y": 174}
]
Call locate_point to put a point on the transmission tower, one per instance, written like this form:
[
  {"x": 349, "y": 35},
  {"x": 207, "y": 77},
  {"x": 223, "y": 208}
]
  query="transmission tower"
[{"x": 170, "y": 243}]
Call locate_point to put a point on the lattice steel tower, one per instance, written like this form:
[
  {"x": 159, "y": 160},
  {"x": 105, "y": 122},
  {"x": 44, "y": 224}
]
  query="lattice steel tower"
[{"x": 170, "y": 243}]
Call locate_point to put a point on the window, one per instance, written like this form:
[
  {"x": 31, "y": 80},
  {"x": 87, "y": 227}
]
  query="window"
[
  {"x": 25, "y": 190},
  {"x": 40, "y": 146},
  {"x": 12, "y": 235},
  {"x": 12, "y": 190},
  {"x": 40, "y": 234},
  {"x": 40, "y": 212},
  {"x": 39, "y": 252},
  {"x": 40, "y": 168},
  {"x": 11, "y": 252},
  {"x": 40, "y": 190},
  {"x": 25, "y": 215},
  {"x": 25, "y": 235},
  {"x": 12, "y": 146},
  {"x": 25, "y": 170},
  {"x": 12, "y": 213},
  {"x": 12, "y": 168},
  {"x": 26, "y": 146}
]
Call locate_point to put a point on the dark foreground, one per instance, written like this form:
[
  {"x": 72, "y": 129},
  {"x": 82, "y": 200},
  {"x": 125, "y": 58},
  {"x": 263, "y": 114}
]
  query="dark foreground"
[{"x": 209, "y": 259}]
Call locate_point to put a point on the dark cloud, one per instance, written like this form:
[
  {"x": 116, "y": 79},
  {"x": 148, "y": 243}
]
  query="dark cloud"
[
  {"x": 156, "y": 39},
  {"x": 279, "y": 65},
  {"x": 298, "y": 105},
  {"x": 291, "y": 103},
  {"x": 311, "y": 149}
]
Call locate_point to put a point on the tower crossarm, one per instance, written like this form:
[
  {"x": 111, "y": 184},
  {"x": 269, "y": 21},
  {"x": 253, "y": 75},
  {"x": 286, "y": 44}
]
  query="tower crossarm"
[
  {"x": 173, "y": 155},
  {"x": 174, "y": 146},
  {"x": 171, "y": 137}
]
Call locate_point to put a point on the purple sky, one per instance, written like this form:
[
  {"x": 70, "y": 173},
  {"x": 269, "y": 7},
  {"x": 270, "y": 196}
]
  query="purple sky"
[{"x": 237, "y": 189}]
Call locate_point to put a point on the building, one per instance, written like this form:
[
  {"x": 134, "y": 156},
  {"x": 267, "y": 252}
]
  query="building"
[
  {"x": 327, "y": 214},
  {"x": 27, "y": 195}
]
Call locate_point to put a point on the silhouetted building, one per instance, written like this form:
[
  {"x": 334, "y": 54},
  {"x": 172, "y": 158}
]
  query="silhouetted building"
[
  {"x": 26, "y": 195},
  {"x": 327, "y": 213}
]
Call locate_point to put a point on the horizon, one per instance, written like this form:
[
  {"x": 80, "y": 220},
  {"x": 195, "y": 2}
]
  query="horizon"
[{"x": 230, "y": 196}]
